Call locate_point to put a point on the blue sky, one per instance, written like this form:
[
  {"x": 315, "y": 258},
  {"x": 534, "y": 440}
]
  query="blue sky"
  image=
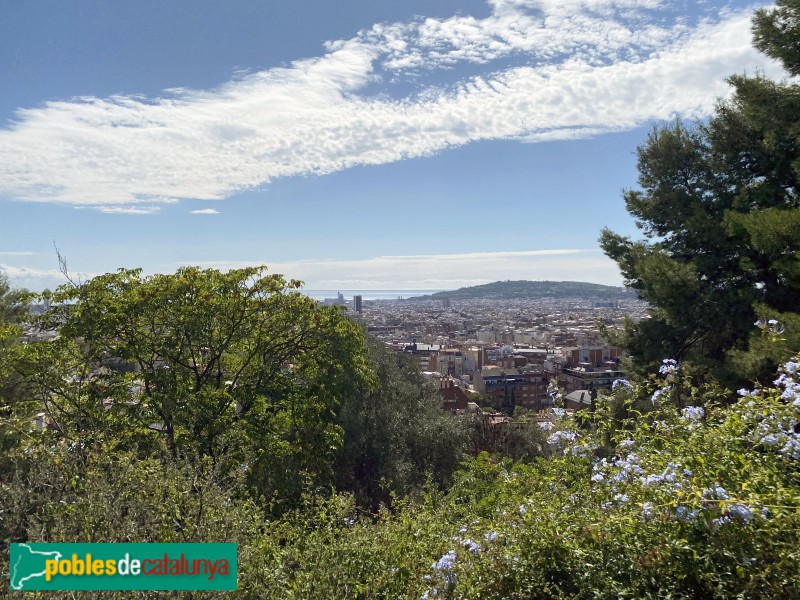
[{"x": 357, "y": 145}]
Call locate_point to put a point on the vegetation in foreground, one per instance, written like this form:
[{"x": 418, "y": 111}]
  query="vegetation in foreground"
[{"x": 699, "y": 502}]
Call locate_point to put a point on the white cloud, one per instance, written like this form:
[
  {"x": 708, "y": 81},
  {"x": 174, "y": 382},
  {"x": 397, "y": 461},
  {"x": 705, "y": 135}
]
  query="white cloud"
[
  {"x": 30, "y": 273},
  {"x": 17, "y": 253},
  {"x": 591, "y": 66},
  {"x": 441, "y": 271},
  {"x": 397, "y": 272},
  {"x": 205, "y": 211},
  {"x": 37, "y": 279},
  {"x": 129, "y": 210}
]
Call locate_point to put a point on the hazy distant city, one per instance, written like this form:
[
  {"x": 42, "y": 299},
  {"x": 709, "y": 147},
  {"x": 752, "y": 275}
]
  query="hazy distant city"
[{"x": 487, "y": 347}]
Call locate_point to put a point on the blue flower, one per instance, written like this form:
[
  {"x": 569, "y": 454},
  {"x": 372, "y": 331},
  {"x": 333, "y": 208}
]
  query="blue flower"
[
  {"x": 668, "y": 368},
  {"x": 623, "y": 383},
  {"x": 668, "y": 363},
  {"x": 693, "y": 413},
  {"x": 741, "y": 512},
  {"x": 792, "y": 448},
  {"x": 656, "y": 396},
  {"x": 716, "y": 492},
  {"x": 446, "y": 563},
  {"x": 562, "y": 438},
  {"x": 769, "y": 440},
  {"x": 720, "y": 521},
  {"x": 682, "y": 513},
  {"x": 652, "y": 480},
  {"x": 792, "y": 367},
  {"x": 648, "y": 510},
  {"x": 472, "y": 546}
]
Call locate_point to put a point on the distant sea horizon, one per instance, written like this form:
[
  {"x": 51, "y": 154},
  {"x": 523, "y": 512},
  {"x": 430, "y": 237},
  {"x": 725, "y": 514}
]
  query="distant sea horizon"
[{"x": 368, "y": 294}]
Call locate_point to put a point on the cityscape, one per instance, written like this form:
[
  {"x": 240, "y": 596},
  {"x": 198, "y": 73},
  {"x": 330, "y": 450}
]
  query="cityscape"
[{"x": 489, "y": 349}]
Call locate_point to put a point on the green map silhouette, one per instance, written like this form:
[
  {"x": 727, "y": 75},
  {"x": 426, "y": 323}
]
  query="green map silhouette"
[{"x": 27, "y": 564}]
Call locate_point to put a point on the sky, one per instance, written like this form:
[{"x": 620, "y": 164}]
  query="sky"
[{"x": 365, "y": 144}]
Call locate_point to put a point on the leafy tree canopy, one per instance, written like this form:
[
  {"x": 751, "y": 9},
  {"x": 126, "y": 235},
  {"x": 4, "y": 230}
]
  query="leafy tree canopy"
[
  {"x": 718, "y": 204},
  {"x": 238, "y": 368},
  {"x": 13, "y": 305}
]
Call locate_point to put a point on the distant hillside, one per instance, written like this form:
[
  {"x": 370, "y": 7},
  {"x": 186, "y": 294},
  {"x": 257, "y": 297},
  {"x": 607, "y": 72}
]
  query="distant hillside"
[{"x": 510, "y": 290}]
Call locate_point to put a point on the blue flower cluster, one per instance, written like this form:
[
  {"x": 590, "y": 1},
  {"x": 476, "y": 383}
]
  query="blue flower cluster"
[
  {"x": 618, "y": 473},
  {"x": 445, "y": 563},
  {"x": 584, "y": 450},
  {"x": 693, "y": 413},
  {"x": 562, "y": 439},
  {"x": 781, "y": 435},
  {"x": 668, "y": 478},
  {"x": 656, "y": 397},
  {"x": 788, "y": 381},
  {"x": 736, "y": 512},
  {"x": 621, "y": 383},
  {"x": 471, "y": 545},
  {"x": 715, "y": 492},
  {"x": 668, "y": 368},
  {"x": 693, "y": 416},
  {"x": 682, "y": 513},
  {"x": 770, "y": 326}
]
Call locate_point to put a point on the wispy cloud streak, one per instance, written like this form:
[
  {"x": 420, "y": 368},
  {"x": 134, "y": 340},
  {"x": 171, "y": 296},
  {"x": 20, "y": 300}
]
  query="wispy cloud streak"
[
  {"x": 553, "y": 70},
  {"x": 440, "y": 271}
]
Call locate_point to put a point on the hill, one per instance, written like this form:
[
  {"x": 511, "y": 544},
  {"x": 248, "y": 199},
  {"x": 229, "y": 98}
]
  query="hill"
[{"x": 513, "y": 290}]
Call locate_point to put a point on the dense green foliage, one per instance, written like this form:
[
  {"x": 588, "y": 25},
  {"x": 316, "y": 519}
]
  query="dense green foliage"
[
  {"x": 396, "y": 436},
  {"x": 198, "y": 405},
  {"x": 685, "y": 503},
  {"x": 237, "y": 370},
  {"x": 719, "y": 204},
  {"x": 13, "y": 302},
  {"x": 694, "y": 502},
  {"x": 514, "y": 290}
]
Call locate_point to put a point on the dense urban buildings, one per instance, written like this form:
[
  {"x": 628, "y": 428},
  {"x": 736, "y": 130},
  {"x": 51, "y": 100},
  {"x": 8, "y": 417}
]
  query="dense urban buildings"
[{"x": 504, "y": 353}]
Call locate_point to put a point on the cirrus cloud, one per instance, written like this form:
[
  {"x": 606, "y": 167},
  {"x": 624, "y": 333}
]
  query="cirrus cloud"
[
  {"x": 550, "y": 70},
  {"x": 439, "y": 271}
]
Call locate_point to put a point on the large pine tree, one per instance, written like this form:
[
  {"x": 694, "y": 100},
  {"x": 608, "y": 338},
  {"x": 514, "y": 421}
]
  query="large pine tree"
[{"x": 719, "y": 207}]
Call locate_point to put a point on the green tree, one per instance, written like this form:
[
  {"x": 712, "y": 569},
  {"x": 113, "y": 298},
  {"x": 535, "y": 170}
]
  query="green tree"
[
  {"x": 718, "y": 204},
  {"x": 238, "y": 368},
  {"x": 13, "y": 302},
  {"x": 396, "y": 435},
  {"x": 13, "y": 309}
]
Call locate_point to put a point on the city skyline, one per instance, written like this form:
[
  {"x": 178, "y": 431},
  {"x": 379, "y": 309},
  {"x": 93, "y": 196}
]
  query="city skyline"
[{"x": 375, "y": 147}]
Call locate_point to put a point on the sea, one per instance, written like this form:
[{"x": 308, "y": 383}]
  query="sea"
[{"x": 368, "y": 294}]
